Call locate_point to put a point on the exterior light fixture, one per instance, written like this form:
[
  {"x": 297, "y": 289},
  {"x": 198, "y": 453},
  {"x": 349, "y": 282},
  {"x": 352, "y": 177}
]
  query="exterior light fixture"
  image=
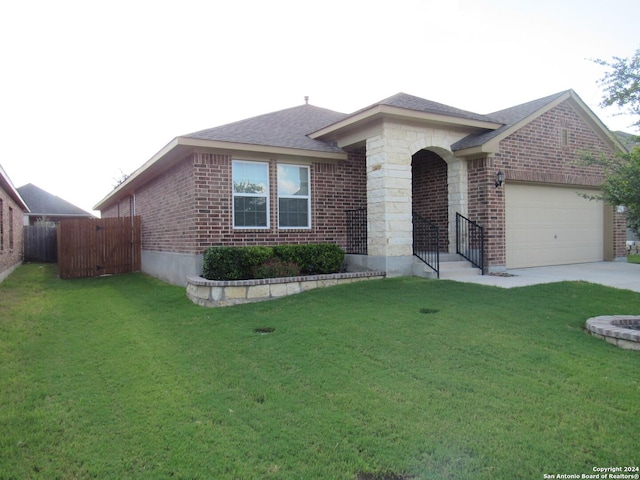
[{"x": 499, "y": 178}]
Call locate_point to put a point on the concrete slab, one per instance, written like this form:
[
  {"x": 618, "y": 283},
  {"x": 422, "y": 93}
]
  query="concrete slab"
[{"x": 612, "y": 274}]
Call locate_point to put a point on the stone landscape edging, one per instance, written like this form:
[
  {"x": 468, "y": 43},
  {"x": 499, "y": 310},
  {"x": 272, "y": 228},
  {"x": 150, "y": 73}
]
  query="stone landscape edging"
[
  {"x": 224, "y": 293},
  {"x": 611, "y": 328}
]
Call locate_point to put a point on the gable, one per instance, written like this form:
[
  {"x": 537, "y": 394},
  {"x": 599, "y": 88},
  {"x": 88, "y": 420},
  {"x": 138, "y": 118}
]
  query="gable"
[{"x": 515, "y": 118}]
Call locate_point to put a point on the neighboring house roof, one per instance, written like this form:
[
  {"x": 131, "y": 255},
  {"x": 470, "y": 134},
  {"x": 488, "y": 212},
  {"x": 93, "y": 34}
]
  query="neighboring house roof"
[
  {"x": 7, "y": 186},
  {"x": 42, "y": 203},
  {"x": 285, "y": 128},
  {"x": 629, "y": 140}
]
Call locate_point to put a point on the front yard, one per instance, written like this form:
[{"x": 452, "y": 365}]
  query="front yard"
[{"x": 123, "y": 377}]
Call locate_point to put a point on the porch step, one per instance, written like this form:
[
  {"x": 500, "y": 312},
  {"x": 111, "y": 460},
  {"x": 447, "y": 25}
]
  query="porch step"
[
  {"x": 458, "y": 269},
  {"x": 452, "y": 266}
]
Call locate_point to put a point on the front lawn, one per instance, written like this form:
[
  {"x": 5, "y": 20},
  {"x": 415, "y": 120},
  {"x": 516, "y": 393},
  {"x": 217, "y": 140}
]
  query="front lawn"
[{"x": 123, "y": 377}]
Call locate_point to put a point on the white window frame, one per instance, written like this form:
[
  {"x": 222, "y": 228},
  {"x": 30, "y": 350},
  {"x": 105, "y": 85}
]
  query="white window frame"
[
  {"x": 234, "y": 194},
  {"x": 296, "y": 197}
]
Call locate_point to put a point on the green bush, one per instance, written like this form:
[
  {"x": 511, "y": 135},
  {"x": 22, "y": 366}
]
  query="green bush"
[
  {"x": 276, "y": 268},
  {"x": 317, "y": 258},
  {"x": 233, "y": 263},
  {"x": 241, "y": 263}
]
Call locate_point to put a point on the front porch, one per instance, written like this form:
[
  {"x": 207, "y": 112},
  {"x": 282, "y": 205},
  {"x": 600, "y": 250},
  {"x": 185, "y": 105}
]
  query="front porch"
[{"x": 428, "y": 258}]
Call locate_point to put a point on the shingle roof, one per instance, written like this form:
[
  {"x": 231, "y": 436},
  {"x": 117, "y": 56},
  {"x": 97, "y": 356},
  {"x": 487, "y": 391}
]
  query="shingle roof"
[
  {"x": 508, "y": 117},
  {"x": 410, "y": 102},
  {"x": 287, "y": 128},
  {"x": 41, "y": 202}
]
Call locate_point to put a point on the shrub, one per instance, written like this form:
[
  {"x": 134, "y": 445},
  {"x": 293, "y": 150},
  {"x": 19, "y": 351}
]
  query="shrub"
[
  {"x": 276, "y": 268},
  {"x": 233, "y": 263},
  {"x": 241, "y": 263},
  {"x": 315, "y": 258}
]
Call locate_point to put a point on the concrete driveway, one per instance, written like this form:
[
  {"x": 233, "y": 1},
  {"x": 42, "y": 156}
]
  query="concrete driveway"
[{"x": 612, "y": 274}]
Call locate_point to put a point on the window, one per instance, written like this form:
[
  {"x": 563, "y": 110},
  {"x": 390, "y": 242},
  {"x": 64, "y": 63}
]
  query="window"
[
  {"x": 250, "y": 194},
  {"x": 564, "y": 137},
  {"x": 294, "y": 197}
]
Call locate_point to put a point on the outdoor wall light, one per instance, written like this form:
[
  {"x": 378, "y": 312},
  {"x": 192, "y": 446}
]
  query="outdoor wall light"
[{"x": 499, "y": 178}]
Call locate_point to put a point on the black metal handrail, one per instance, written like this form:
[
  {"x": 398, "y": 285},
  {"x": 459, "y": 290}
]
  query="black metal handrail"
[
  {"x": 426, "y": 242},
  {"x": 357, "y": 231},
  {"x": 470, "y": 241}
]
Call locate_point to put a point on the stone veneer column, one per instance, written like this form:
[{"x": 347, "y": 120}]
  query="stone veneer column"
[{"x": 389, "y": 219}]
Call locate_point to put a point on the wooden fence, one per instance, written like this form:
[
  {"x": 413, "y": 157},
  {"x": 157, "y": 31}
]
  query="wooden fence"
[
  {"x": 101, "y": 246},
  {"x": 40, "y": 244}
]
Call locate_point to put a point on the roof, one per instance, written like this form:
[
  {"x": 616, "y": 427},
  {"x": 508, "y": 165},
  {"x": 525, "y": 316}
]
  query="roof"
[
  {"x": 41, "y": 202},
  {"x": 285, "y": 128},
  {"x": 509, "y": 117},
  {"x": 405, "y": 107},
  {"x": 7, "y": 186},
  {"x": 307, "y": 130},
  {"x": 514, "y": 118},
  {"x": 411, "y": 102}
]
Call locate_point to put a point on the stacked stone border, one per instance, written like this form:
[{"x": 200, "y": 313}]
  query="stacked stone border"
[
  {"x": 218, "y": 293},
  {"x": 612, "y": 328}
]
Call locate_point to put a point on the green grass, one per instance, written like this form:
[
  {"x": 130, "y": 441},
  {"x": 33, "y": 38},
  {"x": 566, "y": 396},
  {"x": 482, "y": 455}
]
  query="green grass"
[
  {"x": 633, "y": 258},
  {"x": 123, "y": 377}
]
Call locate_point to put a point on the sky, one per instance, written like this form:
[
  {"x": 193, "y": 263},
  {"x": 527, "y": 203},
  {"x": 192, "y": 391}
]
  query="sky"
[{"x": 90, "y": 90}]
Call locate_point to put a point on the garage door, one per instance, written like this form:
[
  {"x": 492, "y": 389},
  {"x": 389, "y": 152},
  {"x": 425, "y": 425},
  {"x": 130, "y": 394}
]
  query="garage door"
[{"x": 552, "y": 226}]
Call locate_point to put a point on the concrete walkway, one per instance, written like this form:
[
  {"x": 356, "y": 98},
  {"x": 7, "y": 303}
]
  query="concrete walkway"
[{"x": 613, "y": 274}]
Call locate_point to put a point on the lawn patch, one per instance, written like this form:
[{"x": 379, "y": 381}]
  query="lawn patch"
[{"x": 123, "y": 377}]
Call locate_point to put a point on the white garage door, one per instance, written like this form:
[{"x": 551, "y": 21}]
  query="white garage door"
[{"x": 552, "y": 226}]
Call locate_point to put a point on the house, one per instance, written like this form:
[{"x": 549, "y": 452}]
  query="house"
[
  {"x": 45, "y": 208},
  {"x": 12, "y": 207},
  {"x": 370, "y": 181}
]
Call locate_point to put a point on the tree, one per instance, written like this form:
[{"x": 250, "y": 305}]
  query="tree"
[
  {"x": 622, "y": 183},
  {"x": 621, "y": 86}
]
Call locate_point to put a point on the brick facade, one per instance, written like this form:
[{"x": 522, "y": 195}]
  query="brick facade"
[
  {"x": 189, "y": 207},
  {"x": 11, "y": 233},
  {"x": 429, "y": 191},
  {"x": 545, "y": 151}
]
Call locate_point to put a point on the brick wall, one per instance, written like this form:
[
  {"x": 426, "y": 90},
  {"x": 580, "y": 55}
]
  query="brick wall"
[
  {"x": 429, "y": 191},
  {"x": 11, "y": 241},
  {"x": 335, "y": 187},
  {"x": 544, "y": 151},
  {"x": 166, "y": 205},
  {"x": 189, "y": 207}
]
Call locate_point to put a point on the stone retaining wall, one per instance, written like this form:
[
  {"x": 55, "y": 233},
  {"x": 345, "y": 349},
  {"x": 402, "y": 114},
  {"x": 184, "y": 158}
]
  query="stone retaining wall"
[{"x": 218, "y": 293}]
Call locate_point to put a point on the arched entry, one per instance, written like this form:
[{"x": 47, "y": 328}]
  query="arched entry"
[{"x": 430, "y": 194}]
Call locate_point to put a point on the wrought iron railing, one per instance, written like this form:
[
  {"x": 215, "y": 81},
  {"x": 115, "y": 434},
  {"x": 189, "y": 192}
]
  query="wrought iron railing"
[
  {"x": 357, "y": 231},
  {"x": 426, "y": 242},
  {"x": 470, "y": 241}
]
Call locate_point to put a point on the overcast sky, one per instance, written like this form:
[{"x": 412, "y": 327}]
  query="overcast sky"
[{"x": 90, "y": 89}]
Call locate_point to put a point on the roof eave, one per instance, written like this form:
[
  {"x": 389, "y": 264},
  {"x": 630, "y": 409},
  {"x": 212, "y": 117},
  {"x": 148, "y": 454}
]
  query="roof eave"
[
  {"x": 378, "y": 111},
  {"x": 592, "y": 118},
  {"x": 475, "y": 150},
  {"x": 179, "y": 147},
  {"x": 256, "y": 148},
  {"x": 8, "y": 186}
]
